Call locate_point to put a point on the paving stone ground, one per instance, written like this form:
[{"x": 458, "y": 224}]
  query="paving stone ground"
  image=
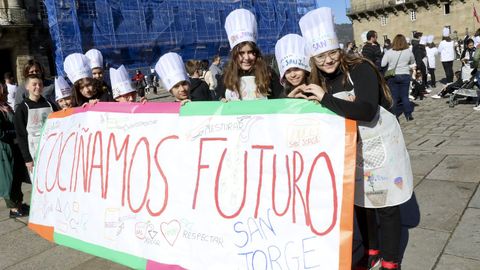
[{"x": 441, "y": 224}]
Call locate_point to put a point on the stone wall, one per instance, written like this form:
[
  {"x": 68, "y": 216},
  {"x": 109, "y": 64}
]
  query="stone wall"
[{"x": 429, "y": 21}]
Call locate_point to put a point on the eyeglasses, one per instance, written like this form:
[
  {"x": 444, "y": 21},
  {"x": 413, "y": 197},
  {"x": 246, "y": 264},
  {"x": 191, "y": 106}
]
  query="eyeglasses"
[{"x": 334, "y": 55}]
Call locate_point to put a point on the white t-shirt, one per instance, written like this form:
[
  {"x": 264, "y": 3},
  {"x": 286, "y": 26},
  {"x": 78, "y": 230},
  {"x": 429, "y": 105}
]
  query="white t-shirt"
[
  {"x": 248, "y": 88},
  {"x": 431, "y": 55},
  {"x": 12, "y": 91},
  {"x": 446, "y": 50}
]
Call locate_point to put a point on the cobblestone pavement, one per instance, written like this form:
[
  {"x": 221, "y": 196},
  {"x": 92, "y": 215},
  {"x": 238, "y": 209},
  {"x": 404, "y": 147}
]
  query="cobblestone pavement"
[{"x": 442, "y": 221}]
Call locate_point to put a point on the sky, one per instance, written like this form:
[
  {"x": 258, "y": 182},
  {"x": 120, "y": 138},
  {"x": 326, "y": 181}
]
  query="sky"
[{"x": 339, "y": 9}]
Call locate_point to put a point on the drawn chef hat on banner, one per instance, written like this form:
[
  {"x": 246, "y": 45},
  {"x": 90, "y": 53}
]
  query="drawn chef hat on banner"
[
  {"x": 171, "y": 70},
  {"x": 430, "y": 38},
  {"x": 241, "y": 26},
  {"x": 62, "y": 88},
  {"x": 423, "y": 40},
  {"x": 446, "y": 32},
  {"x": 95, "y": 57},
  {"x": 120, "y": 81},
  {"x": 290, "y": 52},
  {"x": 77, "y": 67},
  {"x": 318, "y": 29}
]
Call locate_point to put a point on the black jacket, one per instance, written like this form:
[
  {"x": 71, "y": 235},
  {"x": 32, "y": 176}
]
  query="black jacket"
[
  {"x": 373, "y": 53},
  {"x": 199, "y": 90}
]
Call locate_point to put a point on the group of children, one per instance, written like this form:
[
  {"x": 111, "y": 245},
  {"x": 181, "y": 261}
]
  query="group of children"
[{"x": 311, "y": 66}]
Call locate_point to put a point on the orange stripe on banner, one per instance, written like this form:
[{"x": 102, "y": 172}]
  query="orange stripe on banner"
[
  {"x": 62, "y": 113},
  {"x": 346, "y": 220},
  {"x": 44, "y": 231}
]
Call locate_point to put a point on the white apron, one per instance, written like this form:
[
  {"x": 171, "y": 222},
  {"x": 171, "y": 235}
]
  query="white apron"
[
  {"x": 248, "y": 88},
  {"x": 383, "y": 175},
  {"x": 36, "y": 119}
]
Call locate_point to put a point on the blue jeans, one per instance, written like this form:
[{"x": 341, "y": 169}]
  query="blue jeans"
[{"x": 399, "y": 86}]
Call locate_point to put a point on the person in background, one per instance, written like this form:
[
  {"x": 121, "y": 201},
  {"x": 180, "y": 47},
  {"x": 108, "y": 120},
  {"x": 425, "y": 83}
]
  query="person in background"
[
  {"x": 11, "y": 88},
  {"x": 446, "y": 48},
  {"x": 418, "y": 87},
  {"x": 29, "y": 119},
  {"x": 387, "y": 45},
  {"x": 400, "y": 57},
  {"x": 292, "y": 61},
  {"x": 33, "y": 67},
  {"x": 139, "y": 82},
  {"x": 63, "y": 93},
  {"x": 85, "y": 88},
  {"x": 467, "y": 60},
  {"x": 216, "y": 70},
  {"x": 420, "y": 53},
  {"x": 371, "y": 50},
  {"x": 247, "y": 75},
  {"x": 432, "y": 53},
  {"x": 12, "y": 167},
  {"x": 172, "y": 73},
  {"x": 199, "y": 89}
]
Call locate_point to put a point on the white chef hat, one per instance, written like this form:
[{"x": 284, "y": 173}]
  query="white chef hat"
[
  {"x": 290, "y": 52},
  {"x": 408, "y": 40},
  {"x": 423, "y": 40},
  {"x": 120, "y": 80},
  {"x": 171, "y": 70},
  {"x": 476, "y": 41},
  {"x": 318, "y": 30},
  {"x": 430, "y": 38},
  {"x": 446, "y": 32},
  {"x": 62, "y": 88},
  {"x": 363, "y": 36},
  {"x": 77, "y": 67},
  {"x": 241, "y": 26},
  {"x": 95, "y": 57}
]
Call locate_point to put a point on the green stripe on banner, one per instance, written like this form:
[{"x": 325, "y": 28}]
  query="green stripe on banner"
[
  {"x": 285, "y": 106},
  {"x": 116, "y": 256}
]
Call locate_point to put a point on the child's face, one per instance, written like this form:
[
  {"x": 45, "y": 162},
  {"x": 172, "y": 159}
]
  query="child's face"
[
  {"x": 34, "y": 87},
  {"x": 181, "y": 90},
  {"x": 65, "y": 102},
  {"x": 129, "y": 97},
  {"x": 86, "y": 89},
  {"x": 295, "y": 76},
  {"x": 97, "y": 73}
]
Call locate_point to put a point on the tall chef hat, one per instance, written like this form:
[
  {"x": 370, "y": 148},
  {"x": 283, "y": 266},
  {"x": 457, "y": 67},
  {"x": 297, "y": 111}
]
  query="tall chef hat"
[
  {"x": 77, "y": 67},
  {"x": 62, "y": 88},
  {"x": 290, "y": 52},
  {"x": 95, "y": 57},
  {"x": 120, "y": 80},
  {"x": 446, "y": 32},
  {"x": 241, "y": 26},
  {"x": 318, "y": 30},
  {"x": 171, "y": 70}
]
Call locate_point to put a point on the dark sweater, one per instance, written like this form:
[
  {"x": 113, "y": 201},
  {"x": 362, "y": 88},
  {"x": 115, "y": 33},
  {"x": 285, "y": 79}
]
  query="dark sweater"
[
  {"x": 368, "y": 94},
  {"x": 199, "y": 90},
  {"x": 373, "y": 53},
  {"x": 20, "y": 121},
  {"x": 276, "y": 89}
]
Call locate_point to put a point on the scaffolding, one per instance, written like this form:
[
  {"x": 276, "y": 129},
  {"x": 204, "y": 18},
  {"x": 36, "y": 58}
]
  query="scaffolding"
[{"x": 137, "y": 32}]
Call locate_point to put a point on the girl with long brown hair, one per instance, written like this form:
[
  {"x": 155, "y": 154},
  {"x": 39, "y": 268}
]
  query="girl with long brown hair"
[
  {"x": 352, "y": 87},
  {"x": 247, "y": 75}
]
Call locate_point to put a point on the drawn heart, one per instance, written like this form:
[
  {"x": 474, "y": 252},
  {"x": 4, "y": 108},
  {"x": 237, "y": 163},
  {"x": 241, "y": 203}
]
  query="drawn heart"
[{"x": 170, "y": 231}]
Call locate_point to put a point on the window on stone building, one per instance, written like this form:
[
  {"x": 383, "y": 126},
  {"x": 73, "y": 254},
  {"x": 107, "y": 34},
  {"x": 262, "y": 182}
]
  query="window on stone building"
[
  {"x": 413, "y": 15},
  {"x": 446, "y": 9},
  {"x": 383, "y": 20}
]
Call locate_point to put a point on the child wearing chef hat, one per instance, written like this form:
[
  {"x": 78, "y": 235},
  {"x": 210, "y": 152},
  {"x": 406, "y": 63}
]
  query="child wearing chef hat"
[
  {"x": 63, "y": 93},
  {"x": 246, "y": 76},
  {"x": 85, "y": 88},
  {"x": 292, "y": 61},
  {"x": 172, "y": 73},
  {"x": 334, "y": 77}
]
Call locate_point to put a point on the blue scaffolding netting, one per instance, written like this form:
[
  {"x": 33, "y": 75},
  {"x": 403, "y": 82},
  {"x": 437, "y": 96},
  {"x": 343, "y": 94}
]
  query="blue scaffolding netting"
[{"x": 137, "y": 32}]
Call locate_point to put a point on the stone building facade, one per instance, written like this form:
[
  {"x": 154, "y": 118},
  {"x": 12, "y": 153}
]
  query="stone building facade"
[
  {"x": 24, "y": 35},
  {"x": 391, "y": 17}
]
